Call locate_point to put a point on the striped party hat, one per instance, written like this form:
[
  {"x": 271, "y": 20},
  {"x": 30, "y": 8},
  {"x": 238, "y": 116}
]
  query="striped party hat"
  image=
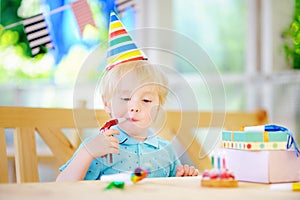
[{"x": 121, "y": 47}]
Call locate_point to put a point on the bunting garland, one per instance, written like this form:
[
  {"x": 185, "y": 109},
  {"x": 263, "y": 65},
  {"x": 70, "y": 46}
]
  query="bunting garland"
[
  {"x": 122, "y": 5},
  {"x": 83, "y": 14},
  {"x": 37, "y": 33}
]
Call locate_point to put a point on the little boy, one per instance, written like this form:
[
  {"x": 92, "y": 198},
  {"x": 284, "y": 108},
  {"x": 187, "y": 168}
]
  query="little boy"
[{"x": 132, "y": 89}]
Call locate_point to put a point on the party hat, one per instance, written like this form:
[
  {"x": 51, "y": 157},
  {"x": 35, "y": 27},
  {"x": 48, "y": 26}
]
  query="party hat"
[{"x": 121, "y": 47}]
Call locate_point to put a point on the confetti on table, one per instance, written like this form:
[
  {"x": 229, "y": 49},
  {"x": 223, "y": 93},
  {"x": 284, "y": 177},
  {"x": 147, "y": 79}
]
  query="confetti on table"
[{"x": 115, "y": 184}]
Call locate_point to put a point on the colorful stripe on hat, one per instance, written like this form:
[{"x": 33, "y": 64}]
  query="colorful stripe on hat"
[{"x": 121, "y": 47}]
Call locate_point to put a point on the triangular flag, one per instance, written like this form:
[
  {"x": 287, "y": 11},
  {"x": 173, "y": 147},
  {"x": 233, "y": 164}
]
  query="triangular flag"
[
  {"x": 121, "y": 47},
  {"x": 122, "y": 5},
  {"x": 37, "y": 33},
  {"x": 83, "y": 14}
]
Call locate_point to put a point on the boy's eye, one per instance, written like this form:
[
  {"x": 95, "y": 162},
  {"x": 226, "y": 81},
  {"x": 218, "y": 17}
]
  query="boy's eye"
[
  {"x": 125, "y": 99},
  {"x": 147, "y": 100}
]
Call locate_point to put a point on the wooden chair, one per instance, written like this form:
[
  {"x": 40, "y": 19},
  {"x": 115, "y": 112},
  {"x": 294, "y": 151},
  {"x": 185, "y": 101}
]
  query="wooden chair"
[{"x": 49, "y": 122}]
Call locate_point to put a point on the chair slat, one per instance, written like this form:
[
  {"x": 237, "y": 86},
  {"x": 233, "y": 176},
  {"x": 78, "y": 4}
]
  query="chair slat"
[
  {"x": 25, "y": 155},
  {"x": 59, "y": 144},
  {"x": 3, "y": 156}
]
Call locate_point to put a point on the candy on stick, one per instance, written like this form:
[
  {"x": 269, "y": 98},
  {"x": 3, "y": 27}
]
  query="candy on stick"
[
  {"x": 111, "y": 123},
  {"x": 107, "y": 126}
]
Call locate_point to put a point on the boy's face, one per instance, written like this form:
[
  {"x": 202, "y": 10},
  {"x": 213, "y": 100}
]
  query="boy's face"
[{"x": 139, "y": 104}]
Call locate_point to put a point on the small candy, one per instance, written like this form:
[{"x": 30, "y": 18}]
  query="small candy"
[
  {"x": 224, "y": 175},
  {"x": 214, "y": 173},
  {"x": 115, "y": 184},
  {"x": 206, "y": 174}
]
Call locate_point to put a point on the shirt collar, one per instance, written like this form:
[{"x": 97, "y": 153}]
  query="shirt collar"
[{"x": 124, "y": 138}]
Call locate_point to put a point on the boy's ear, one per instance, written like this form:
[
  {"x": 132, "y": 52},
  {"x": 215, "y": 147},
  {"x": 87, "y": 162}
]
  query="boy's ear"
[{"x": 106, "y": 106}]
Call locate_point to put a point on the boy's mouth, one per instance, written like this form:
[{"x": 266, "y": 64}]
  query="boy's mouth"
[{"x": 133, "y": 120}]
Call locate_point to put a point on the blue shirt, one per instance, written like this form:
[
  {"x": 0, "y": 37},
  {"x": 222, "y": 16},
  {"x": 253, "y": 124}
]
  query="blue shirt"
[{"x": 154, "y": 153}]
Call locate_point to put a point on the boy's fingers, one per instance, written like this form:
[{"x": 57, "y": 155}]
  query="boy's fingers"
[
  {"x": 191, "y": 171},
  {"x": 180, "y": 171},
  {"x": 113, "y": 139},
  {"x": 115, "y": 145},
  {"x": 179, "y": 168},
  {"x": 186, "y": 170},
  {"x": 114, "y": 150},
  {"x": 111, "y": 132}
]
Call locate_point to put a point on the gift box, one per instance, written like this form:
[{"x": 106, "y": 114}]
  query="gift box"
[
  {"x": 276, "y": 166},
  {"x": 251, "y": 140}
]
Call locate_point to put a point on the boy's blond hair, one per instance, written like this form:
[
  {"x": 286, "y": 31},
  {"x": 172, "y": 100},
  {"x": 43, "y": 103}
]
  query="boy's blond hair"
[{"x": 144, "y": 72}]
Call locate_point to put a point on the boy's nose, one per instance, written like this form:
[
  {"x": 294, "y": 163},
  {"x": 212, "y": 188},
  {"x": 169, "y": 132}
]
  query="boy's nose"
[
  {"x": 134, "y": 110},
  {"x": 134, "y": 106}
]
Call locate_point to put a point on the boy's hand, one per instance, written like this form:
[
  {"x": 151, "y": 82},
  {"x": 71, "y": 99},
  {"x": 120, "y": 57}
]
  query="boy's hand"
[
  {"x": 104, "y": 144},
  {"x": 186, "y": 170}
]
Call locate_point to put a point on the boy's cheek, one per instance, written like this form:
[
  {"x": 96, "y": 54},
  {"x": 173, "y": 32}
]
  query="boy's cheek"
[
  {"x": 119, "y": 110},
  {"x": 154, "y": 110}
]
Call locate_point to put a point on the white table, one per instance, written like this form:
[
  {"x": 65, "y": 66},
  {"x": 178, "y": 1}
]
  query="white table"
[{"x": 155, "y": 188}]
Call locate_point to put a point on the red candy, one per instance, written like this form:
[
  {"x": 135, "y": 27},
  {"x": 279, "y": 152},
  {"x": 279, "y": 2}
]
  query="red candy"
[
  {"x": 109, "y": 124},
  {"x": 205, "y": 174}
]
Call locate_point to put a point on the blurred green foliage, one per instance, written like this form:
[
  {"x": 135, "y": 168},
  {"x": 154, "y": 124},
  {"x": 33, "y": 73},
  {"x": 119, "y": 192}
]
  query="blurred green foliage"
[
  {"x": 14, "y": 35},
  {"x": 16, "y": 63},
  {"x": 291, "y": 38}
]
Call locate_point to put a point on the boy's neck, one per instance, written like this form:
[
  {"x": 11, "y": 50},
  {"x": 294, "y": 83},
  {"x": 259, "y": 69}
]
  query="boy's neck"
[
  {"x": 140, "y": 135},
  {"x": 138, "y": 138}
]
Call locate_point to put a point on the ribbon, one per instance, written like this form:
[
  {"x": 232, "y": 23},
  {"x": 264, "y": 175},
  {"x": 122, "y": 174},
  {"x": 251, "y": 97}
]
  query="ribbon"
[{"x": 291, "y": 142}]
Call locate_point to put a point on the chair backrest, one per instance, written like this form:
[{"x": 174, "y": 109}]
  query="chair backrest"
[{"x": 49, "y": 122}]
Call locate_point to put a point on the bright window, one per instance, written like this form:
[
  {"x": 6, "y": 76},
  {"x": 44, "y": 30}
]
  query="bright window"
[{"x": 218, "y": 26}]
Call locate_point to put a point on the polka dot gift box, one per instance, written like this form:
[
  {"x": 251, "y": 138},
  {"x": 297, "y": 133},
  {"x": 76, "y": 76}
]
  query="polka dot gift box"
[
  {"x": 263, "y": 154},
  {"x": 267, "y": 137}
]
